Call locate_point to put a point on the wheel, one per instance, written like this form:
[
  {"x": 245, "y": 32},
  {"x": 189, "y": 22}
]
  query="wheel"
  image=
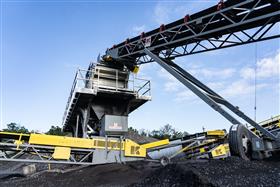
[
  {"x": 239, "y": 142},
  {"x": 164, "y": 161}
]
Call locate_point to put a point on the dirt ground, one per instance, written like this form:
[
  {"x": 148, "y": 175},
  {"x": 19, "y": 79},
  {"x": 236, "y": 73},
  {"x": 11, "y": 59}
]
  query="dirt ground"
[{"x": 229, "y": 172}]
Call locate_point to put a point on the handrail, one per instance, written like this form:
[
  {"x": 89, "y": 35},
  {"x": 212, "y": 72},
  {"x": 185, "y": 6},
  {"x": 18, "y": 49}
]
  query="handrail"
[
  {"x": 143, "y": 86},
  {"x": 274, "y": 118},
  {"x": 134, "y": 85}
]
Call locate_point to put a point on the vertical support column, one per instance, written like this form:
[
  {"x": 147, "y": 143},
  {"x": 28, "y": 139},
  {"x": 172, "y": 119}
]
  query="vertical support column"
[
  {"x": 121, "y": 140},
  {"x": 117, "y": 77},
  {"x": 85, "y": 113},
  {"x": 77, "y": 126}
]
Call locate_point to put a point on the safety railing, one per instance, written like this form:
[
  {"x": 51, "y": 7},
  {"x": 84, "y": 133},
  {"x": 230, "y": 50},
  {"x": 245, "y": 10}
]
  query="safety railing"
[
  {"x": 270, "y": 120},
  {"x": 133, "y": 84},
  {"x": 272, "y": 124},
  {"x": 93, "y": 80}
]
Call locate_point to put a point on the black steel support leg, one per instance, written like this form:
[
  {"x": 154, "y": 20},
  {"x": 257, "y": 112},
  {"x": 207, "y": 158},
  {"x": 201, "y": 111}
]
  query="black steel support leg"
[
  {"x": 77, "y": 126},
  {"x": 85, "y": 113},
  {"x": 206, "y": 94}
]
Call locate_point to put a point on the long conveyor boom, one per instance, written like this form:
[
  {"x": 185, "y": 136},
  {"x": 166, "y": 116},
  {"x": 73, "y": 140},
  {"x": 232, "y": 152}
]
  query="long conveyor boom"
[{"x": 220, "y": 26}]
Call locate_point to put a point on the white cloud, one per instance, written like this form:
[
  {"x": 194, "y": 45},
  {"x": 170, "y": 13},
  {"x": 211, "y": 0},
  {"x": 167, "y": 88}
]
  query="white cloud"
[
  {"x": 247, "y": 73},
  {"x": 171, "y": 83},
  {"x": 225, "y": 87},
  {"x": 162, "y": 14},
  {"x": 240, "y": 88},
  {"x": 165, "y": 12},
  {"x": 215, "y": 86},
  {"x": 137, "y": 30},
  {"x": 218, "y": 73},
  {"x": 146, "y": 71},
  {"x": 185, "y": 95},
  {"x": 266, "y": 67},
  {"x": 182, "y": 93},
  {"x": 209, "y": 73}
]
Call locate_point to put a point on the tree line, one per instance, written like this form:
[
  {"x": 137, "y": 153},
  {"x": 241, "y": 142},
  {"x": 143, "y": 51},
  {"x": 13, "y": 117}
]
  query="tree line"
[
  {"x": 165, "y": 132},
  {"x": 17, "y": 128}
]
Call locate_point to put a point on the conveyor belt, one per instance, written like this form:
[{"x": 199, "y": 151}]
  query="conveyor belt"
[{"x": 217, "y": 27}]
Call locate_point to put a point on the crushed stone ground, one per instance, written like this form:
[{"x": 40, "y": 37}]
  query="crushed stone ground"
[{"x": 229, "y": 172}]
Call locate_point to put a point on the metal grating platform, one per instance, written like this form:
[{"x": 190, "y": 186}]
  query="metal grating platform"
[{"x": 104, "y": 90}]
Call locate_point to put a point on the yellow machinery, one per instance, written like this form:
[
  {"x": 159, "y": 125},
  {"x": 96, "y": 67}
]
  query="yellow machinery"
[
  {"x": 102, "y": 150},
  {"x": 51, "y": 148},
  {"x": 209, "y": 144}
]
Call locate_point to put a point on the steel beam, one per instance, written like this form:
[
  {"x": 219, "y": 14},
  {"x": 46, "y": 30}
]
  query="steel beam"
[
  {"x": 85, "y": 114},
  {"x": 214, "y": 100},
  {"x": 77, "y": 125}
]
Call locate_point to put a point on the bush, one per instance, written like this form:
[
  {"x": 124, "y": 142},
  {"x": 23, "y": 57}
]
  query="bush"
[
  {"x": 56, "y": 130},
  {"x": 165, "y": 132},
  {"x": 14, "y": 127}
]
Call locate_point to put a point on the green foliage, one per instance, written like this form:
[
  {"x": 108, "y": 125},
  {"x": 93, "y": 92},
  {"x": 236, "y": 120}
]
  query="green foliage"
[
  {"x": 35, "y": 132},
  {"x": 14, "y": 127},
  {"x": 131, "y": 129},
  {"x": 143, "y": 132},
  {"x": 56, "y": 130},
  {"x": 155, "y": 134},
  {"x": 165, "y": 132}
]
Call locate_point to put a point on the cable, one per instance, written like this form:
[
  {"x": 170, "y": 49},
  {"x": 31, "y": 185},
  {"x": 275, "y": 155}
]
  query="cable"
[{"x": 256, "y": 59}]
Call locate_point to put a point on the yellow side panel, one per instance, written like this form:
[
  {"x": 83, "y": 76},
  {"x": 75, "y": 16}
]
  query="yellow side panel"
[
  {"x": 111, "y": 144},
  {"x": 63, "y": 141},
  {"x": 133, "y": 149},
  {"x": 221, "y": 150},
  {"x": 136, "y": 69},
  {"x": 62, "y": 153},
  {"x": 18, "y": 142},
  {"x": 216, "y": 133},
  {"x": 202, "y": 150},
  {"x": 13, "y": 133},
  {"x": 42, "y": 139},
  {"x": 155, "y": 144},
  {"x": 226, "y": 146}
]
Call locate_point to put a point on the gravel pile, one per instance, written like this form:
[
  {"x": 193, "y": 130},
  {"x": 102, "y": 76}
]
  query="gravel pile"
[
  {"x": 229, "y": 172},
  {"x": 139, "y": 139},
  {"x": 232, "y": 171}
]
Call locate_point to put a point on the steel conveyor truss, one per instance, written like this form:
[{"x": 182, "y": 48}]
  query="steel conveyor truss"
[{"x": 230, "y": 23}]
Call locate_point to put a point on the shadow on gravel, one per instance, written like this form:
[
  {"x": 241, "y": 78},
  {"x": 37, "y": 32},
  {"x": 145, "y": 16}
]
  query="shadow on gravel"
[
  {"x": 6, "y": 176},
  {"x": 173, "y": 175}
]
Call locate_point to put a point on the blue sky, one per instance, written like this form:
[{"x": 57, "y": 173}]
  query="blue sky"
[{"x": 43, "y": 43}]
